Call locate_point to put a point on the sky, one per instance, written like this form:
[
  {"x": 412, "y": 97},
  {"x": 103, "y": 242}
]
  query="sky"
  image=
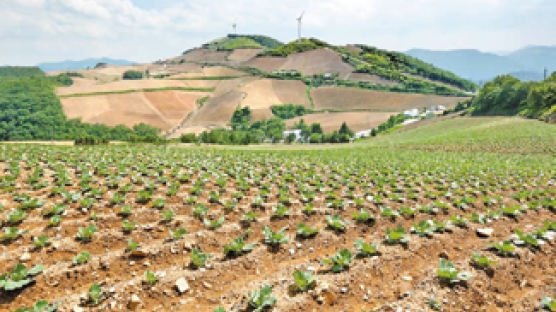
[{"x": 33, "y": 31}]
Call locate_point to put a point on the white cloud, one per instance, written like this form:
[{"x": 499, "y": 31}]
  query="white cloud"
[{"x": 45, "y": 30}]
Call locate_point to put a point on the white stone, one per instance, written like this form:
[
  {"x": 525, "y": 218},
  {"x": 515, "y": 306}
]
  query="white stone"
[
  {"x": 182, "y": 285},
  {"x": 485, "y": 232},
  {"x": 25, "y": 257}
]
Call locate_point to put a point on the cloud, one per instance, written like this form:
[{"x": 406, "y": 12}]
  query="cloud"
[{"x": 32, "y": 31}]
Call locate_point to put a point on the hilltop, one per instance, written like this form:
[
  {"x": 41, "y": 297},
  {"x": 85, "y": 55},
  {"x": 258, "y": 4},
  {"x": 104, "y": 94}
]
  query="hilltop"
[
  {"x": 200, "y": 89},
  {"x": 81, "y": 64}
]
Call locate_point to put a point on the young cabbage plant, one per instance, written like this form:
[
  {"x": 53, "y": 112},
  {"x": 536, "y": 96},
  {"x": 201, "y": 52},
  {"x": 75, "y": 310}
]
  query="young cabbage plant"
[
  {"x": 339, "y": 261},
  {"x": 19, "y": 277},
  {"x": 260, "y": 300},
  {"x": 214, "y": 224},
  {"x": 336, "y": 223},
  {"x": 15, "y": 217},
  {"x": 125, "y": 211},
  {"x": 504, "y": 249},
  {"x": 150, "y": 278},
  {"x": 423, "y": 228},
  {"x": 132, "y": 245},
  {"x": 281, "y": 211},
  {"x": 86, "y": 234},
  {"x": 365, "y": 249},
  {"x": 198, "y": 259},
  {"x": 159, "y": 203},
  {"x": 177, "y": 234},
  {"x": 81, "y": 258},
  {"x": 274, "y": 239},
  {"x": 41, "y": 241},
  {"x": 54, "y": 210},
  {"x": 40, "y": 306},
  {"x": 482, "y": 262},
  {"x": 305, "y": 231},
  {"x": 11, "y": 234},
  {"x": 396, "y": 236},
  {"x": 549, "y": 303},
  {"x": 95, "y": 294},
  {"x": 249, "y": 217},
  {"x": 304, "y": 281},
  {"x": 200, "y": 210},
  {"x": 364, "y": 216},
  {"x": 237, "y": 248},
  {"x": 127, "y": 226},
  {"x": 448, "y": 273},
  {"x": 387, "y": 212},
  {"x": 54, "y": 221},
  {"x": 526, "y": 239}
]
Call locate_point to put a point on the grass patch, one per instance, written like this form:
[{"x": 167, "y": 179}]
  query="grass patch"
[
  {"x": 308, "y": 94},
  {"x": 139, "y": 90},
  {"x": 208, "y": 78}
]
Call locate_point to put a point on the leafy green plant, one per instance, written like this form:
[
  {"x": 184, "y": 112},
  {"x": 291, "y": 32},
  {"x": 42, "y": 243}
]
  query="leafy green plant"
[
  {"x": 214, "y": 224},
  {"x": 159, "y": 203},
  {"x": 237, "y": 247},
  {"x": 365, "y": 249},
  {"x": 200, "y": 210},
  {"x": 198, "y": 259},
  {"x": 305, "y": 231},
  {"x": 281, "y": 211},
  {"x": 132, "y": 245},
  {"x": 262, "y": 299},
  {"x": 423, "y": 228},
  {"x": 336, "y": 223},
  {"x": 339, "y": 261},
  {"x": 150, "y": 278},
  {"x": 86, "y": 234},
  {"x": 19, "y": 277},
  {"x": 54, "y": 210},
  {"x": 387, "y": 212},
  {"x": 11, "y": 233},
  {"x": 249, "y": 217},
  {"x": 504, "y": 249},
  {"x": 482, "y": 262},
  {"x": 54, "y": 220},
  {"x": 15, "y": 217},
  {"x": 274, "y": 239},
  {"x": 526, "y": 239},
  {"x": 95, "y": 294},
  {"x": 364, "y": 216},
  {"x": 125, "y": 211},
  {"x": 41, "y": 241},
  {"x": 396, "y": 236},
  {"x": 448, "y": 273},
  {"x": 128, "y": 226},
  {"x": 304, "y": 281},
  {"x": 177, "y": 234},
  {"x": 81, "y": 258},
  {"x": 40, "y": 306}
]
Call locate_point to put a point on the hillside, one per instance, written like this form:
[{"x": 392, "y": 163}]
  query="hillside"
[
  {"x": 525, "y": 64},
  {"x": 200, "y": 89}
]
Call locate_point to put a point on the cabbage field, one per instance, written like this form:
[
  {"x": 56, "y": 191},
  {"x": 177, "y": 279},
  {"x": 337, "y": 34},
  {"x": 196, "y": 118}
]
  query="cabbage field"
[{"x": 147, "y": 228}]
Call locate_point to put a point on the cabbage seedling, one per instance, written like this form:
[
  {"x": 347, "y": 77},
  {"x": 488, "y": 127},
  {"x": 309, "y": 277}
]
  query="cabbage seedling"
[
  {"x": 81, "y": 258},
  {"x": 198, "y": 259},
  {"x": 19, "y": 277},
  {"x": 447, "y": 272},
  {"x": 177, "y": 234},
  {"x": 340, "y": 261},
  {"x": 304, "y": 281},
  {"x": 274, "y": 239},
  {"x": 262, "y": 299},
  {"x": 237, "y": 247},
  {"x": 365, "y": 249},
  {"x": 95, "y": 294},
  {"x": 305, "y": 231}
]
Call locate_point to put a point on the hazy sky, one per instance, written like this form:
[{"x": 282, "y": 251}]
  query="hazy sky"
[{"x": 33, "y": 31}]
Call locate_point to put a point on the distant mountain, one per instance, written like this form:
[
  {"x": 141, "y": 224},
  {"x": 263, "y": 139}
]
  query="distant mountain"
[
  {"x": 83, "y": 64},
  {"x": 526, "y": 64}
]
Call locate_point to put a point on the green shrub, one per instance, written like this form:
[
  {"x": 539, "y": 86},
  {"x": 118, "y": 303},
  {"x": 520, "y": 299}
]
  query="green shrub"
[{"x": 132, "y": 75}]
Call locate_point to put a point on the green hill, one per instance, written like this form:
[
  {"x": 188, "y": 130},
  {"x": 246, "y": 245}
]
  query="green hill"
[{"x": 233, "y": 41}]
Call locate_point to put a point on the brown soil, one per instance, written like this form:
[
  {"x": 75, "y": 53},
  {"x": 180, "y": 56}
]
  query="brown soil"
[
  {"x": 352, "y": 98},
  {"x": 243, "y": 55},
  {"x": 164, "y": 109},
  {"x": 399, "y": 278},
  {"x": 371, "y": 78},
  {"x": 356, "y": 121}
]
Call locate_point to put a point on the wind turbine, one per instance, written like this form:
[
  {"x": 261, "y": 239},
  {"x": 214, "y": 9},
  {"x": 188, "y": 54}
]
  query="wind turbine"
[
  {"x": 234, "y": 26},
  {"x": 299, "y": 25}
]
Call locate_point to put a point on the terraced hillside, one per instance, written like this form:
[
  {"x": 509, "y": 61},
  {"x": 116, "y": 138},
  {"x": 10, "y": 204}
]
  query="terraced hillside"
[{"x": 203, "y": 87}]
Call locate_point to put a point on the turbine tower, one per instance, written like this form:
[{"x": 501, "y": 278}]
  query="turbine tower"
[
  {"x": 234, "y": 26},
  {"x": 299, "y": 25}
]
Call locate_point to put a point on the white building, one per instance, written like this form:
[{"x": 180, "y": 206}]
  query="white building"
[
  {"x": 296, "y": 132},
  {"x": 411, "y": 113}
]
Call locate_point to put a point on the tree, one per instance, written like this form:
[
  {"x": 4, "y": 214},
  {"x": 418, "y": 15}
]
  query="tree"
[
  {"x": 316, "y": 128},
  {"x": 133, "y": 75},
  {"x": 241, "y": 118},
  {"x": 344, "y": 130},
  {"x": 315, "y": 138}
]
